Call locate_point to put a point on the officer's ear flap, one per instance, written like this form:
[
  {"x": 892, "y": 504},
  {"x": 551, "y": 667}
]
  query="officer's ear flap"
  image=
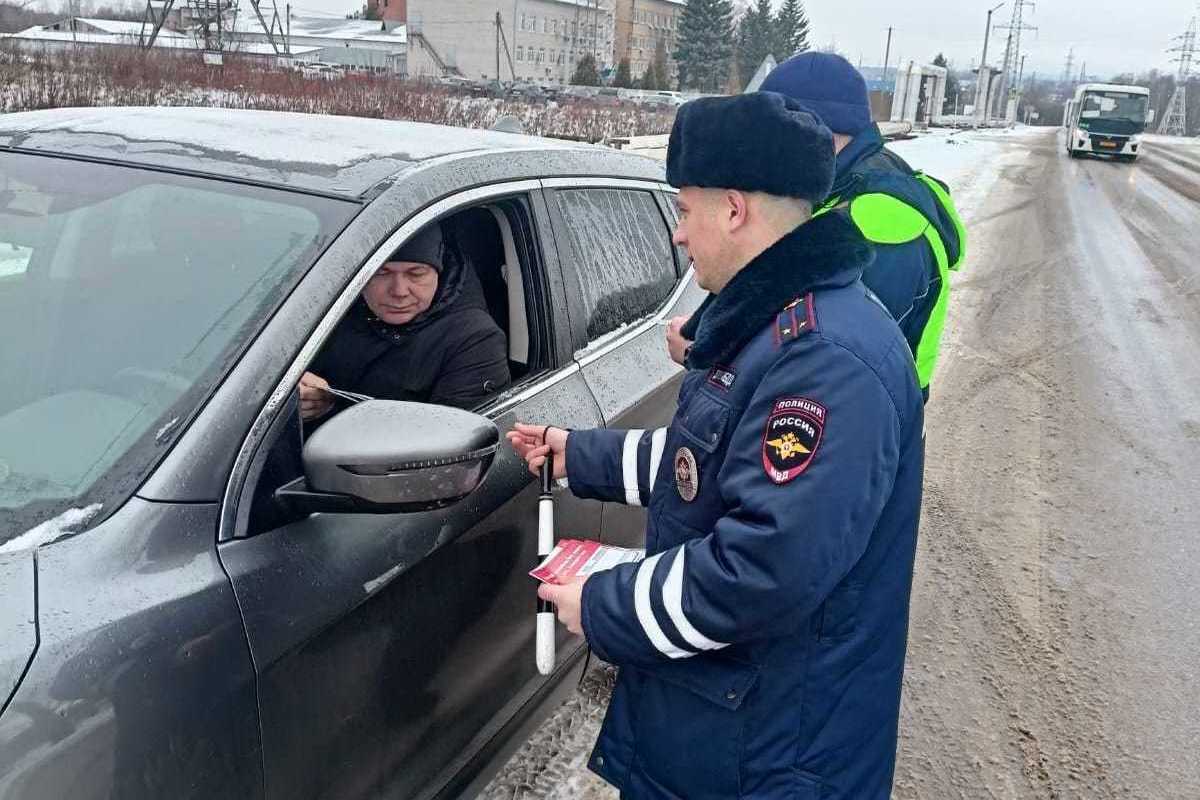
[{"x": 882, "y": 219}]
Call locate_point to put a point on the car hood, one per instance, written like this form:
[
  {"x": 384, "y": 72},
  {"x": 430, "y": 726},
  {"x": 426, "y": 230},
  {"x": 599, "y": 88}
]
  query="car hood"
[{"x": 18, "y": 620}]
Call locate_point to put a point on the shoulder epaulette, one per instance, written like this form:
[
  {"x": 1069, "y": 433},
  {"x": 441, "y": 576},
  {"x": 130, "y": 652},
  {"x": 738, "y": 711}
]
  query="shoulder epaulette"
[{"x": 796, "y": 319}]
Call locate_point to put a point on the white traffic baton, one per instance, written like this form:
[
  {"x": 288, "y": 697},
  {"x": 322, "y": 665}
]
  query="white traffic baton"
[{"x": 545, "y": 609}]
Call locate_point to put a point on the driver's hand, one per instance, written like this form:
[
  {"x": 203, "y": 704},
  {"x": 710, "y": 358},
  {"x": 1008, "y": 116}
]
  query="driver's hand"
[
  {"x": 315, "y": 401},
  {"x": 677, "y": 346}
]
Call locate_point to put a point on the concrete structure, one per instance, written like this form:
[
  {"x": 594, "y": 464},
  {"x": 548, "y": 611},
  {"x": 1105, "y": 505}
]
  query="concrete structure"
[
  {"x": 919, "y": 94},
  {"x": 545, "y": 38},
  {"x": 640, "y": 25}
]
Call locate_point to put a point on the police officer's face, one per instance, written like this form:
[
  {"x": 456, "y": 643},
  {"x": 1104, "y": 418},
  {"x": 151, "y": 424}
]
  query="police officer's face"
[
  {"x": 703, "y": 231},
  {"x": 401, "y": 290}
]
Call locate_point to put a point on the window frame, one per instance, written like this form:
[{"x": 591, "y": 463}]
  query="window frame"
[
  {"x": 269, "y": 423},
  {"x": 587, "y": 350}
]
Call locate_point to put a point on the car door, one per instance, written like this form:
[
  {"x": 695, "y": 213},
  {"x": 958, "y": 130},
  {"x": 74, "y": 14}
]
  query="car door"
[
  {"x": 624, "y": 280},
  {"x": 391, "y": 648}
]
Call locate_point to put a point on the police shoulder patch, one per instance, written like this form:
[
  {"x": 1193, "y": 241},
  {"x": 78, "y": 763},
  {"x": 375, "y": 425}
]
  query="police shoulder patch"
[
  {"x": 792, "y": 436},
  {"x": 797, "y": 318}
]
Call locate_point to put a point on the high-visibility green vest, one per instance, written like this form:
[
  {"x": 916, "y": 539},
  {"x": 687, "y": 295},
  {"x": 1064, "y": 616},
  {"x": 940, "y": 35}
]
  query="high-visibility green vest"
[{"x": 888, "y": 220}]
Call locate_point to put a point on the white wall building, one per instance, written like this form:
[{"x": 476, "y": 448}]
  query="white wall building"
[
  {"x": 545, "y": 38},
  {"x": 352, "y": 42}
]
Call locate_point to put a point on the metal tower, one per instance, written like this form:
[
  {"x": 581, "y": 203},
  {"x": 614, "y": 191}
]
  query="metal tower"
[
  {"x": 1174, "y": 122},
  {"x": 1068, "y": 75},
  {"x": 209, "y": 17},
  {"x": 1009, "y": 79}
]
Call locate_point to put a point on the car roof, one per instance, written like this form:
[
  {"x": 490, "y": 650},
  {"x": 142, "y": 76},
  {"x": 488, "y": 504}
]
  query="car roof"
[{"x": 324, "y": 154}]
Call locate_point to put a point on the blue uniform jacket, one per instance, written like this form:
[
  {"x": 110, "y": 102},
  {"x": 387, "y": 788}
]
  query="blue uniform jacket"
[
  {"x": 761, "y": 642},
  {"x": 904, "y": 276}
]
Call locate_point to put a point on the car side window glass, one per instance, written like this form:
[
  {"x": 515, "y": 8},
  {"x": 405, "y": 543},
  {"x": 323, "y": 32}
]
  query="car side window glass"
[{"x": 622, "y": 254}]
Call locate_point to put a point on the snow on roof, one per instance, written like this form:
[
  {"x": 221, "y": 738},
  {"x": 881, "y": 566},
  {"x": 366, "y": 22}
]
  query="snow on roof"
[
  {"x": 340, "y": 155},
  {"x": 122, "y": 26},
  {"x": 40, "y": 34},
  {"x": 339, "y": 28}
]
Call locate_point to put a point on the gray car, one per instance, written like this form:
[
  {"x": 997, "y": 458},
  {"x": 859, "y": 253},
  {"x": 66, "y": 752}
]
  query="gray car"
[{"x": 178, "y": 618}]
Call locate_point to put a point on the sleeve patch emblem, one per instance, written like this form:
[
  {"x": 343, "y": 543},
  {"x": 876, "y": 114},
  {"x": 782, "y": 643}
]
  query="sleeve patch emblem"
[{"x": 792, "y": 436}]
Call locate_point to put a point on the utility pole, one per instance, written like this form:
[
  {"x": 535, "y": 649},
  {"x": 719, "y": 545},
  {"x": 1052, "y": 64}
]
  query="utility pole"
[
  {"x": 1174, "y": 122},
  {"x": 1068, "y": 74},
  {"x": 887, "y": 54},
  {"x": 983, "y": 85}
]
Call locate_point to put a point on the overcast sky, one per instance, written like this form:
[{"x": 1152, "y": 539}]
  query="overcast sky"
[{"x": 1110, "y": 36}]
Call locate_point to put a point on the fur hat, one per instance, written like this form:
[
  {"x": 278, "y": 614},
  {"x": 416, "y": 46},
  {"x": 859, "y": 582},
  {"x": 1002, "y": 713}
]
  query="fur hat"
[
  {"x": 427, "y": 247},
  {"x": 829, "y": 85},
  {"x": 756, "y": 142}
]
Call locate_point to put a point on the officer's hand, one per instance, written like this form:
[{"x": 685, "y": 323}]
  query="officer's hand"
[
  {"x": 568, "y": 599},
  {"x": 677, "y": 345},
  {"x": 315, "y": 401},
  {"x": 534, "y": 442}
]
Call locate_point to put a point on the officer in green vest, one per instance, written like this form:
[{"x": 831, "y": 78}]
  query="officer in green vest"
[{"x": 909, "y": 216}]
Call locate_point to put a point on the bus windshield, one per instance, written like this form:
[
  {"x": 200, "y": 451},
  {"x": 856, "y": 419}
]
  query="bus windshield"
[{"x": 1113, "y": 112}]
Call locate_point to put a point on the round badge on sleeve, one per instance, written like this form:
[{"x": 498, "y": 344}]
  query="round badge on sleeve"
[{"x": 687, "y": 475}]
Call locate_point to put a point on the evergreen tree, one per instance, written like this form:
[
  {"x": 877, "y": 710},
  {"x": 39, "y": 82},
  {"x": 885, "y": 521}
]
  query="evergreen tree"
[
  {"x": 755, "y": 40},
  {"x": 705, "y": 47},
  {"x": 662, "y": 70},
  {"x": 586, "y": 73},
  {"x": 791, "y": 30},
  {"x": 623, "y": 80}
]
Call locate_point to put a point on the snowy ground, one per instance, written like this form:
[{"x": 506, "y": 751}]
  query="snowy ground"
[{"x": 1053, "y": 628}]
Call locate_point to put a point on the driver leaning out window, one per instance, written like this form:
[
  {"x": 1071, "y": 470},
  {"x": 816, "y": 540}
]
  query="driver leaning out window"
[{"x": 420, "y": 331}]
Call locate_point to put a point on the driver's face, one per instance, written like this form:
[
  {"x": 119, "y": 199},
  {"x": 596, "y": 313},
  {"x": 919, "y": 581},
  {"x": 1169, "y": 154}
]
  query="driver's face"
[{"x": 401, "y": 290}]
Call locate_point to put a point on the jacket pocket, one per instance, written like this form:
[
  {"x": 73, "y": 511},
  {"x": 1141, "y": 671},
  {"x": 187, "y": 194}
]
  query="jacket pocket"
[
  {"x": 702, "y": 423},
  {"x": 690, "y": 723},
  {"x": 839, "y": 613}
]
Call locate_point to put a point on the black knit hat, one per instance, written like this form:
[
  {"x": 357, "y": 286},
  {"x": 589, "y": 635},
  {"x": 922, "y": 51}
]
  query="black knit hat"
[
  {"x": 427, "y": 247},
  {"x": 756, "y": 142}
]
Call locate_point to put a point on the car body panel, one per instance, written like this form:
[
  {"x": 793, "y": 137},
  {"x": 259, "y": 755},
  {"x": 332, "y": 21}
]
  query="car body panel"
[
  {"x": 18, "y": 619},
  {"x": 133, "y": 614},
  {"x": 367, "y": 683}
]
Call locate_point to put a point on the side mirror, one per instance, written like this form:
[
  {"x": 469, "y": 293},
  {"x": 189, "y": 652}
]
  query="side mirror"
[
  {"x": 1150, "y": 117},
  {"x": 388, "y": 457}
]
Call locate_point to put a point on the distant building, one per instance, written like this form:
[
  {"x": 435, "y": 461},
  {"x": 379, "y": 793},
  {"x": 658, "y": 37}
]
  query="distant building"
[
  {"x": 640, "y": 26},
  {"x": 537, "y": 40},
  {"x": 363, "y": 44},
  {"x": 65, "y": 36}
]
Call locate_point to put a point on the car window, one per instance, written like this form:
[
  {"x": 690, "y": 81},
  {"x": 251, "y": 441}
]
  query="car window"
[
  {"x": 622, "y": 254},
  {"x": 124, "y": 295}
]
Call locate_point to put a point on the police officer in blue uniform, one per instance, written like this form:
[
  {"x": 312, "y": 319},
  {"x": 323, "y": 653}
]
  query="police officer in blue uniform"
[{"x": 761, "y": 641}]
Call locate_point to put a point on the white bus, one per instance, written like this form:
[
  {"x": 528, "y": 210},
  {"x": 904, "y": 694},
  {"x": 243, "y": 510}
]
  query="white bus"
[{"x": 1107, "y": 119}]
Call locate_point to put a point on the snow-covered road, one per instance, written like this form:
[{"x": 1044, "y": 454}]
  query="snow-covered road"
[{"x": 1053, "y": 638}]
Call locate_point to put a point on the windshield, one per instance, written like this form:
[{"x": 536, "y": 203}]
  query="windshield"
[
  {"x": 124, "y": 295},
  {"x": 1113, "y": 112}
]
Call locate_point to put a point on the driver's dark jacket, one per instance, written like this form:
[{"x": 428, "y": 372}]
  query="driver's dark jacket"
[
  {"x": 453, "y": 354},
  {"x": 761, "y": 642}
]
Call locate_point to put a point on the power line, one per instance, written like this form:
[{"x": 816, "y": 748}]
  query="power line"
[{"x": 1174, "y": 122}]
